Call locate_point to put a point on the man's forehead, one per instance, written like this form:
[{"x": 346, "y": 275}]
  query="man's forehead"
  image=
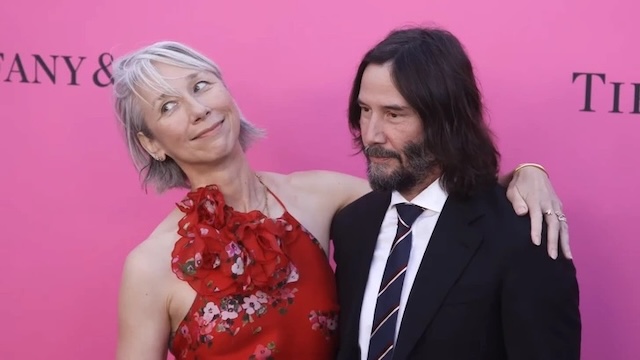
[{"x": 388, "y": 98}]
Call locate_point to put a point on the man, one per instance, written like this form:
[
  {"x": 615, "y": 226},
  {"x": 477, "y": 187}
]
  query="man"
[{"x": 434, "y": 264}]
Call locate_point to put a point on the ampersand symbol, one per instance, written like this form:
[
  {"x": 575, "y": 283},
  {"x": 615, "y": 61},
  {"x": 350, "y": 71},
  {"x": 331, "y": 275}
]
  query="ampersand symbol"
[{"x": 104, "y": 68}]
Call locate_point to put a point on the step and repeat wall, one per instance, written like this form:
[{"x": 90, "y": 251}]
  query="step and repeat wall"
[{"x": 561, "y": 84}]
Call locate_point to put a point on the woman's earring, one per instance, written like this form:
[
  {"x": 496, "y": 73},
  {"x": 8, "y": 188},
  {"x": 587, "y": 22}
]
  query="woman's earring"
[{"x": 158, "y": 158}]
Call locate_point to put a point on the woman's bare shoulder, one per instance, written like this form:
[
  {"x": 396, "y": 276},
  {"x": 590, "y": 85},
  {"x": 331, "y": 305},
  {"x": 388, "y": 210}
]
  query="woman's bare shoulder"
[
  {"x": 148, "y": 260},
  {"x": 314, "y": 180},
  {"x": 334, "y": 189}
]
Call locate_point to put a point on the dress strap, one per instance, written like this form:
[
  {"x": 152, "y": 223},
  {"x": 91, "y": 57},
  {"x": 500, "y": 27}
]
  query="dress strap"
[{"x": 272, "y": 194}]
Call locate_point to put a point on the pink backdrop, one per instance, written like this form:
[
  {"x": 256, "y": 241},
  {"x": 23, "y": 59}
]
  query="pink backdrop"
[{"x": 71, "y": 207}]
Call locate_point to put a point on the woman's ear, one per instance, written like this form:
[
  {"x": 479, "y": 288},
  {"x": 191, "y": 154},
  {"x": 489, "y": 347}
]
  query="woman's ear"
[{"x": 151, "y": 146}]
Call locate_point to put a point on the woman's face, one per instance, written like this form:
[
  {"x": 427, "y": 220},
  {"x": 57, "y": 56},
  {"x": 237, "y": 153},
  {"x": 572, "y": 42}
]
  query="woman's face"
[{"x": 199, "y": 125}]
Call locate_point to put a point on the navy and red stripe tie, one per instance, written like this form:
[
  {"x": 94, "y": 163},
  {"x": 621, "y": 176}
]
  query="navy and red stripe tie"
[{"x": 385, "y": 318}]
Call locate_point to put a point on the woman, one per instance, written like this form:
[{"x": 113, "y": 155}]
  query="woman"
[{"x": 234, "y": 272}]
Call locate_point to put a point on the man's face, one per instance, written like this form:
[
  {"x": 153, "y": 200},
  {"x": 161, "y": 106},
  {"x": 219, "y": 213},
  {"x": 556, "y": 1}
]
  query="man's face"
[{"x": 392, "y": 133}]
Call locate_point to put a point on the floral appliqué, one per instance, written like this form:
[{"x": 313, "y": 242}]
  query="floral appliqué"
[
  {"x": 264, "y": 352},
  {"x": 222, "y": 251},
  {"x": 324, "y": 321}
]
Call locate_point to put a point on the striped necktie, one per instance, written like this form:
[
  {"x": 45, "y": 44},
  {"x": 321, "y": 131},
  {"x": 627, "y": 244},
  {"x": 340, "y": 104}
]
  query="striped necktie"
[{"x": 385, "y": 317}]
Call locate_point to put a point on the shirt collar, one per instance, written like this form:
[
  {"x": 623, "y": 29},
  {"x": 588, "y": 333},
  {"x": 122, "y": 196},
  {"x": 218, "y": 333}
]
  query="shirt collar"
[{"x": 432, "y": 198}]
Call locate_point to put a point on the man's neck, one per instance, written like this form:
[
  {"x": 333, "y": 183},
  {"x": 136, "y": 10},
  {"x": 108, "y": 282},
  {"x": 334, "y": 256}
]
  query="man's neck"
[{"x": 411, "y": 194}]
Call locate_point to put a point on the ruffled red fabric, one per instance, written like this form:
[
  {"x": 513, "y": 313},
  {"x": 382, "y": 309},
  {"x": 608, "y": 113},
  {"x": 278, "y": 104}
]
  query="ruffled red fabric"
[{"x": 222, "y": 251}]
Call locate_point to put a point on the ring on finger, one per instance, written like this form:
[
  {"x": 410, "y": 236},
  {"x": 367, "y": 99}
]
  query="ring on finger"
[{"x": 561, "y": 216}]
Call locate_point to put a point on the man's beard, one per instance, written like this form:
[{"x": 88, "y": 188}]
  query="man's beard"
[{"x": 416, "y": 165}]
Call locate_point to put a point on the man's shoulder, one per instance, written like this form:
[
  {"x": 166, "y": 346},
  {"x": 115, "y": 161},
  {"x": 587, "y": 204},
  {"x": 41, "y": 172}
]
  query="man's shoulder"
[
  {"x": 366, "y": 202},
  {"x": 500, "y": 218},
  {"x": 364, "y": 207}
]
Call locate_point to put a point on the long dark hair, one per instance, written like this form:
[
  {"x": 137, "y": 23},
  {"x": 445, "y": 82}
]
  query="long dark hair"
[{"x": 433, "y": 73}]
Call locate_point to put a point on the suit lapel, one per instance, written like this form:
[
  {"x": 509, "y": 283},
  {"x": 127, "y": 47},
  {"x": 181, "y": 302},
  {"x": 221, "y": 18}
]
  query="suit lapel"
[
  {"x": 364, "y": 234},
  {"x": 452, "y": 244}
]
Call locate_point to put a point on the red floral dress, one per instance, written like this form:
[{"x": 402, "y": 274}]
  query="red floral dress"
[{"x": 264, "y": 286}]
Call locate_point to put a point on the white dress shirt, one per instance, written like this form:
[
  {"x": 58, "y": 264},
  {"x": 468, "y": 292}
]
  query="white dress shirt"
[{"x": 432, "y": 198}]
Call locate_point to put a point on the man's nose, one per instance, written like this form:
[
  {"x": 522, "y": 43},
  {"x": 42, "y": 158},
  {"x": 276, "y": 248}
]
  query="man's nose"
[{"x": 372, "y": 131}]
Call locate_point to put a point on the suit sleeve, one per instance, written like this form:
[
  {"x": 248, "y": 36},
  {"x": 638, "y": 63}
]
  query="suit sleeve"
[
  {"x": 540, "y": 307},
  {"x": 334, "y": 231}
]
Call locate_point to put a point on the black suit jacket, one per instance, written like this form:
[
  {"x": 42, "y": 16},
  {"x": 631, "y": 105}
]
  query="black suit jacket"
[{"x": 483, "y": 289}]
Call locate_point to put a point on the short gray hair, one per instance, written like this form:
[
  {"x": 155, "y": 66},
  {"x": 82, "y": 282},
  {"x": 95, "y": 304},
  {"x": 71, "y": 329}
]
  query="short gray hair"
[{"x": 134, "y": 71}]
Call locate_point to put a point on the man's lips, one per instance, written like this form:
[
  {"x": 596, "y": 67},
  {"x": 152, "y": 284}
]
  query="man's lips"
[{"x": 380, "y": 158}]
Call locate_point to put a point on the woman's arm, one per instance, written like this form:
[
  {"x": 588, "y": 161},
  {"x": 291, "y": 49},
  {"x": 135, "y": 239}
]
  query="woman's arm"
[
  {"x": 529, "y": 191},
  {"x": 143, "y": 321}
]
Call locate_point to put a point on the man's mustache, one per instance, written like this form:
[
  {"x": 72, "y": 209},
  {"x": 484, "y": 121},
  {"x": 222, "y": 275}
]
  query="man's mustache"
[{"x": 378, "y": 151}]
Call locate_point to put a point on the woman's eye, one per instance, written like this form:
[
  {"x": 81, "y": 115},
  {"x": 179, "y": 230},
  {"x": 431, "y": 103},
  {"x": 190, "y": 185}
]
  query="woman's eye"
[
  {"x": 167, "y": 106},
  {"x": 200, "y": 85}
]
